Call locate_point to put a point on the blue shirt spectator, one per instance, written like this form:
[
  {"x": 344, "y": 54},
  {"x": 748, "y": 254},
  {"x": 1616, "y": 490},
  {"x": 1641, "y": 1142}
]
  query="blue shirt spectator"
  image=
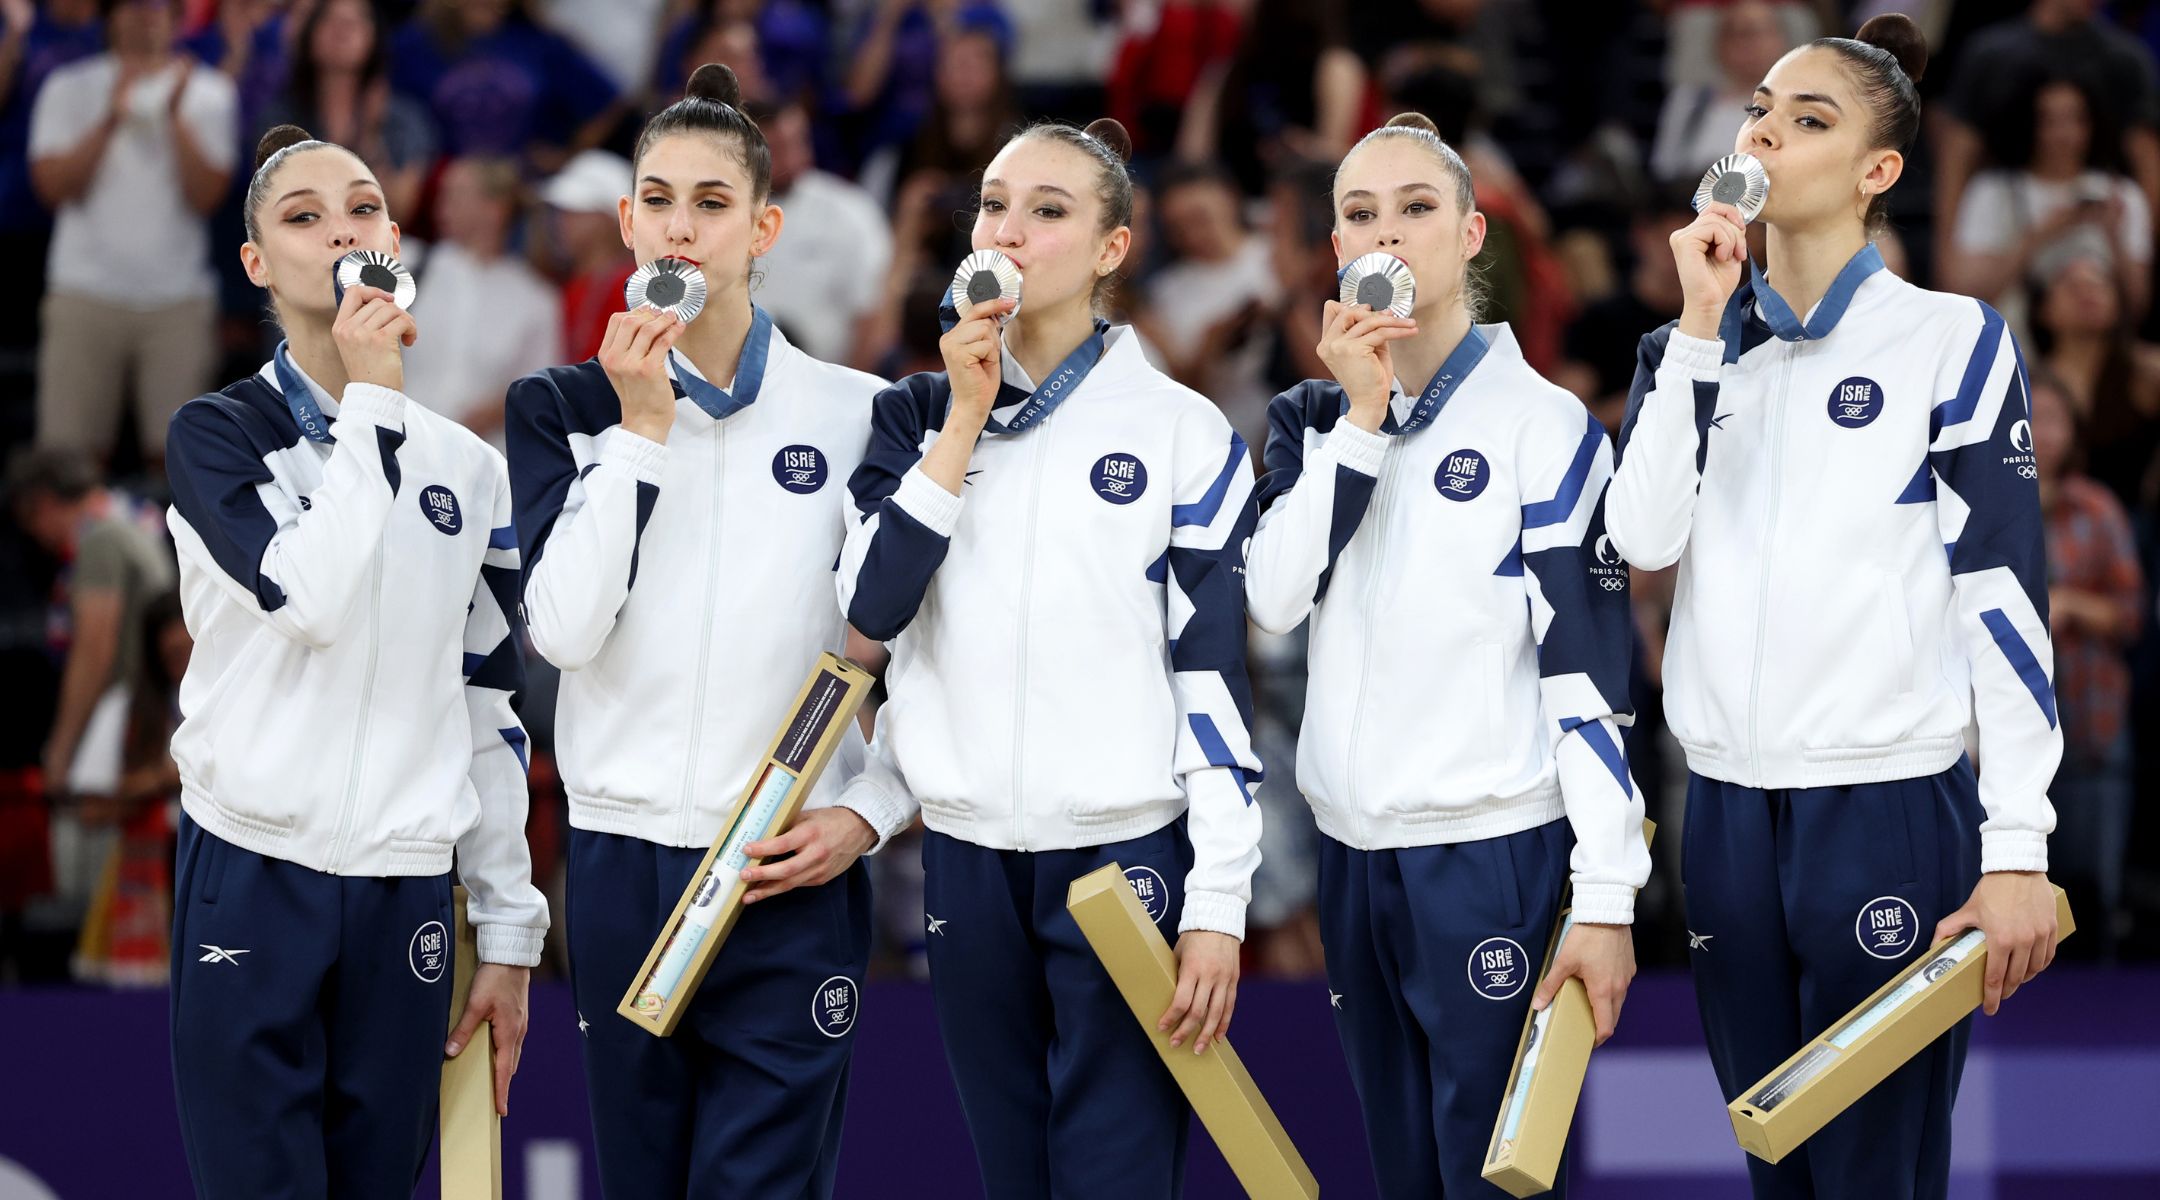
[{"x": 496, "y": 81}]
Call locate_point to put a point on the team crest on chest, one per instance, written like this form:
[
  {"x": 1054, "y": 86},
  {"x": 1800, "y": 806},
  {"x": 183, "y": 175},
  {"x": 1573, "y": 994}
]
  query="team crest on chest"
[
  {"x": 441, "y": 506},
  {"x": 1855, "y": 402},
  {"x": 1118, "y": 478},
  {"x": 800, "y": 469},
  {"x": 1462, "y": 474}
]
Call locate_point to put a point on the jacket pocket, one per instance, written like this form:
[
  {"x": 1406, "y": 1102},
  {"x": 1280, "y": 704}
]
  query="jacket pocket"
[{"x": 1897, "y": 625}]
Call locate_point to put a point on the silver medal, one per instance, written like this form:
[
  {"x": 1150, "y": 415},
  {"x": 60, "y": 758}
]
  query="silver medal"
[
  {"x": 1738, "y": 180},
  {"x": 983, "y": 278},
  {"x": 373, "y": 268},
  {"x": 1379, "y": 281},
  {"x": 672, "y": 285}
]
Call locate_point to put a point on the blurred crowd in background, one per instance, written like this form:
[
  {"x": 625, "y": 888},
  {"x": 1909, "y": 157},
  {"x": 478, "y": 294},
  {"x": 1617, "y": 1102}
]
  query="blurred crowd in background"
[{"x": 499, "y": 130}]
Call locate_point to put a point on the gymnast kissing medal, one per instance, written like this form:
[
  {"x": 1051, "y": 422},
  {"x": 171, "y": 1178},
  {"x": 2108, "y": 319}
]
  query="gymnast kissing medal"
[
  {"x": 372, "y": 268},
  {"x": 1738, "y": 180},
  {"x": 1381, "y": 282},
  {"x": 983, "y": 278},
  {"x": 672, "y": 285}
]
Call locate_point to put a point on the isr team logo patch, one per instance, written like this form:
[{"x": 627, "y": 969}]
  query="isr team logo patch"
[
  {"x": 429, "y": 953},
  {"x": 441, "y": 506},
  {"x": 1855, "y": 402},
  {"x": 1118, "y": 478},
  {"x": 832, "y": 1009},
  {"x": 1887, "y": 927},
  {"x": 1154, "y": 895},
  {"x": 800, "y": 469},
  {"x": 1462, "y": 475},
  {"x": 1498, "y": 968}
]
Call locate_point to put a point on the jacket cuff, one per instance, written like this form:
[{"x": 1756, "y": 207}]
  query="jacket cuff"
[
  {"x": 886, "y": 813},
  {"x": 1604, "y": 904},
  {"x": 2012, "y": 850},
  {"x": 373, "y": 404},
  {"x": 510, "y": 945},
  {"x": 1216, "y": 912},
  {"x": 1357, "y": 449},
  {"x": 922, "y": 498},
  {"x": 643, "y": 457},
  {"x": 1701, "y": 358}
]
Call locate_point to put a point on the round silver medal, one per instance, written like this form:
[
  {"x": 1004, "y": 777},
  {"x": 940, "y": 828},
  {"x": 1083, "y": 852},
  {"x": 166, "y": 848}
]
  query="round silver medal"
[
  {"x": 1738, "y": 180},
  {"x": 1380, "y": 281},
  {"x": 983, "y": 278},
  {"x": 373, "y": 268},
  {"x": 672, "y": 285}
]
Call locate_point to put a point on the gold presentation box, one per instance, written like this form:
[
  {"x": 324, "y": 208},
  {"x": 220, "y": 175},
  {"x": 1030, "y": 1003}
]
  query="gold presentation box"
[
  {"x": 1861, "y": 1049},
  {"x": 702, "y": 919},
  {"x": 1551, "y": 1058},
  {"x": 471, "y": 1132},
  {"x": 1217, "y": 1085}
]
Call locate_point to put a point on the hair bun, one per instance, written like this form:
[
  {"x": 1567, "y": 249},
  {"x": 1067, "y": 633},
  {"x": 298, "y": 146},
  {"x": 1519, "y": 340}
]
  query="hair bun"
[
  {"x": 715, "y": 82},
  {"x": 278, "y": 138},
  {"x": 1112, "y": 134},
  {"x": 1901, "y": 36},
  {"x": 1413, "y": 120}
]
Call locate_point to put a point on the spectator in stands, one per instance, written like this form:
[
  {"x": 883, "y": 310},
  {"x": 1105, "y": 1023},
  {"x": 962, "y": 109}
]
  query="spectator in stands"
[
  {"x": 2058, "y": 201},
  {"x": 1992, "y": 91},
  {"x": 35, "y": 41},
  {"x": 892, "y": 70},
  {"x": 1698, "y": 122},
  {"x": 2095, "y": 594},
  {"x": 1599, "y": 349},
  {"x": 248, "y": 43},
  {"x": 1202, "y": 309},
  {"x": 827, "y": 276},
  {"x": 132, "y": 149},
  {"x": 2083, "y": 335},
  {"x": 490, "y": 316},
  {"x": 586, "y": 196},
  {"x": 340, "y": 85},
  {"x": 792, "y": 42},
  {"x": 1061, "y": 55},
  {"x": 1167, "y": 48},
  {"x": 1293, "y": 89},
  {"x": 501, "y": 83}
]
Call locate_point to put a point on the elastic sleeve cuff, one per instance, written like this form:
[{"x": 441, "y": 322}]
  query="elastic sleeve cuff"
[
  {"x": 1216, "y": 912},
  {"x": 1358, "y": 449},
  {"x": 1604, "y": 904},
  {"x": 643, "y": 457},
  {"x": 510, "y": 945},
  {"x": 1701, "y": 358},
  {"x": 886, "y": 813},
  {"x": 2012, "y": 850},
  {"x": 373, "y": 404},
  {"x": 921, "y": 497}
]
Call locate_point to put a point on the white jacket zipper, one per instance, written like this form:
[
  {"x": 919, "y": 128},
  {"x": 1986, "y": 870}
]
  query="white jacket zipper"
[
  {"x": 718, "y": 482},
  {"x": 1385, "y": 491},
  {"x": 358, "y": 765},
  {"x": 1775, "y": 433},
  {"x": 1027, "y": 587}
]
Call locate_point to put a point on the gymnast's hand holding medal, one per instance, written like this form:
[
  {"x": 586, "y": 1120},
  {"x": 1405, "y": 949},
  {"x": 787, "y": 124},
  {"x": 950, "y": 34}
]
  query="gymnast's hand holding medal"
[
  {"x": 1712, "y": 250},
  {"x": 985, "y": 294},
  {"x": 1377, "y": 295},
  {"x": 662, "y": 298},
  {"x": 372, "y": 328}
]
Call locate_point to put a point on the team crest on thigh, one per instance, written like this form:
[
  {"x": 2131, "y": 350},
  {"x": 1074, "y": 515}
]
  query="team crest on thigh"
[
  {"x": 1154, "y": 895},
  {"x": 1888, "y": 927},
  {"x": 832, "y": 1009},
  {"x": 1498, "y": 968},
  {"x": 441, "y": 506},
  {"x": 429, "y": 953}
]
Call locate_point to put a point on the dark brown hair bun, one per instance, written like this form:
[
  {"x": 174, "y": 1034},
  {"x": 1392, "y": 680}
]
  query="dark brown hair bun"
[
  {"x": 1112, "y": 134},
  {"x": 1901, "y": 36},
  {"x": 715, "y": 82},
  {"x": 1413, "y": 120},
  {"x": 278, "y": 138}
]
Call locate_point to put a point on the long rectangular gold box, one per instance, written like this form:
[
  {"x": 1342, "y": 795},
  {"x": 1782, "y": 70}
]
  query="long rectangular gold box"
[
  {"x": 1219, "y": 1088},
  {"x": 466, "y": 1121},
  {"x": 693, "y": 934},
  {"x": 1918, "y": 1005}
]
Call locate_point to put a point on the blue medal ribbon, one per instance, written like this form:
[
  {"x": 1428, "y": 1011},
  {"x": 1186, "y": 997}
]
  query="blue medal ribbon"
[
  {"x": 1460, "y": 361},
  {"x": 300, "y": 398},
  {"x": 717, "y": 402},
  {"x": 1017, "y": 411}
]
